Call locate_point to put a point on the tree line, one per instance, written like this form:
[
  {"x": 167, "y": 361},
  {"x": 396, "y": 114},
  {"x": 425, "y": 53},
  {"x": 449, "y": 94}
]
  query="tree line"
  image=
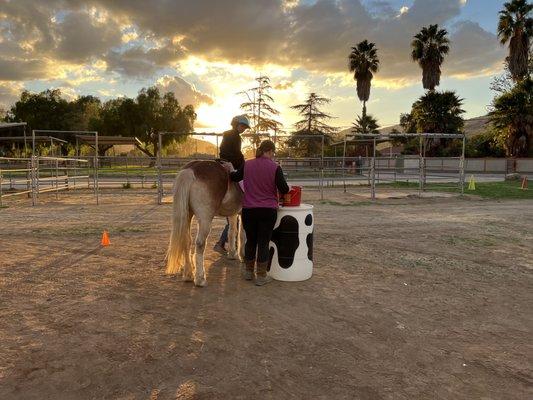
[{"x": 142, "y": 117}]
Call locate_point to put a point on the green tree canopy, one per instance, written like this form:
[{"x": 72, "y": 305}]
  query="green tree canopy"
[
  {"x": 45, "y": 110},
  {"x": 434, "y": 112},
  {"x": 142, "y": 117},
  {"x": 438, "y": 112},
  {"x": 512, "y": 116},
  {"x": 365, "y": 124},
  {"x": 312, "y": 124}
]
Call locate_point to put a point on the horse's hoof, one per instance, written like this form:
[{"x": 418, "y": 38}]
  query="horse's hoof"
[
  {"x": 232, "y": 256},
  {"x": 201, "y": 283},
  {"x": 186, "y": 278}
]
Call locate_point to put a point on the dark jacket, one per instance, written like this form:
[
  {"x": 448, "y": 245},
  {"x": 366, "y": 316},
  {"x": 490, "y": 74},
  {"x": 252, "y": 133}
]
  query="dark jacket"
[{"x": 230, "y": 148}]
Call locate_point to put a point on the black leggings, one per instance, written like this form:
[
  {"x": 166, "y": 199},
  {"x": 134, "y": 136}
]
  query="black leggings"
[{"x": 258, "y": 224}]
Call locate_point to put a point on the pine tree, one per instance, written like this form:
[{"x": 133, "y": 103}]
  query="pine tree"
[
  {"x": 312, "y": 123},
  {"x": 260, "y": 109}
]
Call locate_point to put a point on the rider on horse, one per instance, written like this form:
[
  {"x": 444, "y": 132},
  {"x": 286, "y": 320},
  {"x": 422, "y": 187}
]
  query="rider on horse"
[{"x": 230, "y": 150}]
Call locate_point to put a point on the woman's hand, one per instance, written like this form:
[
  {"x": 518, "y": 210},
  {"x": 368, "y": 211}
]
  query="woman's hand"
[{"x": 228, "y": 166}]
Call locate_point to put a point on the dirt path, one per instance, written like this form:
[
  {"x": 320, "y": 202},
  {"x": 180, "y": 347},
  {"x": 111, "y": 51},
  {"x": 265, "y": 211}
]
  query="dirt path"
[{"x": 410, "y": 299}]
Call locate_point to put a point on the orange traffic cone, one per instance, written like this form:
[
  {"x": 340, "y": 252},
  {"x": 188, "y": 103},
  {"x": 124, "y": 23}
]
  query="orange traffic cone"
[
  {"x": 105, "y": 239},
  {"x": 524, "y": 183}
]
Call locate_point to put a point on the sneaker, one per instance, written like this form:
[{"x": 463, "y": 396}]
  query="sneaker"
[
  {"x": 248, "y": 275},
  {"x": 262, "y": 280},
  {"x": 220, "y": 249}
]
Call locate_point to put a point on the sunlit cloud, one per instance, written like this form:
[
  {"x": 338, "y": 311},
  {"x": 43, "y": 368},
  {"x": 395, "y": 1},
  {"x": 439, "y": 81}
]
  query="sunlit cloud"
[
  {"x": 404, "y": 10},
  {"x": 215, "y": 50}
]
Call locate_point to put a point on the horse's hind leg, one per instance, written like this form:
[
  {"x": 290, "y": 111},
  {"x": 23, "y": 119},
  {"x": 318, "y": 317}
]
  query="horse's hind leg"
[
  {"x": 187, "y": 274},
  {"x": 241, "y": 239},
  {"x": 204, "y": 226},
  {"x": 232, "y": 237}
]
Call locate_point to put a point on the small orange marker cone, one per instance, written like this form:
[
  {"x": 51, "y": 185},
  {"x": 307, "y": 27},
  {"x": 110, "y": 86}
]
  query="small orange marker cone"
[
  {"x": 524, "y": 183},
  {"x": 105, "y": 239}
]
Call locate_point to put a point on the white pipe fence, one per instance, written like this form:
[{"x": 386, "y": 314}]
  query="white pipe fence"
[
  {"x": 41, "y": 175},
  {"x": 34, "y": 176}
]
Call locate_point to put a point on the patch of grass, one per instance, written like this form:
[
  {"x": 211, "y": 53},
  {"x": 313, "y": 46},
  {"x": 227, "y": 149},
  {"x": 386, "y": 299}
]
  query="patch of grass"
[{"x": 489, "y": 190}]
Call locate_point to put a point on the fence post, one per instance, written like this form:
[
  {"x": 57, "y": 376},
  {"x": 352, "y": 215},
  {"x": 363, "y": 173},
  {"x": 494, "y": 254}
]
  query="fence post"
[
  {"x": 322, "y": 171},
  {"x": 33, "y": 178},
  {"x": 462, "y": 167},
  {"x": 344, "y": 164},
  {"x": 96, "y": 182},
  {"x": 37, "y": 176},
  {"x": 159, "y": 177},
  {"x": 127, "y": 174},
  {"x": 420, "y": 166},
  {"x": 1, "y": 182},
  {"x": 57, "y": 179},
  {"x": 373, "y": 173}
]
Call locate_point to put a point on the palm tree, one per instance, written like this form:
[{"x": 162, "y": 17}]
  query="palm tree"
[
  {"x": 429, "y": 47},
  {"x": 365, "y": 124},
  {"x": 512, "y": 116},
  {"x": 516, "y": 27},
  {"x": 364, "y": 63},
  {"x": 438, "y": 112}
]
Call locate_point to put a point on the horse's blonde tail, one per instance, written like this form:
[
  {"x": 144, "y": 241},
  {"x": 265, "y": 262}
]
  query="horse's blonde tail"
[{"x": 181, "y": 222}]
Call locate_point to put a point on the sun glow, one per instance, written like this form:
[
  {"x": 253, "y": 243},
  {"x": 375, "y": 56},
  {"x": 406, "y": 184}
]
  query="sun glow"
[{"x": 216, "y": 117}]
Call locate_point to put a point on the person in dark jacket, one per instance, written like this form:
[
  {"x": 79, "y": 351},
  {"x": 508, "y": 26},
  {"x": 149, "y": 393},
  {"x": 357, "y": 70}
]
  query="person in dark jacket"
[
  {"x": 263, "y": 178},
  {"x": 230, "y": 150}
]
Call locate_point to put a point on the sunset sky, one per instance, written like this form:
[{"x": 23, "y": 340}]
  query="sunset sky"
[{"x": 208, "y": 50}]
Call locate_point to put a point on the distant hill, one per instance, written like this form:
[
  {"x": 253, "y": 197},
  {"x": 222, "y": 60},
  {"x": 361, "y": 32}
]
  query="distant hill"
[
  {"x": 473, "y": 127},
  {"x": 192, "y": 146}
]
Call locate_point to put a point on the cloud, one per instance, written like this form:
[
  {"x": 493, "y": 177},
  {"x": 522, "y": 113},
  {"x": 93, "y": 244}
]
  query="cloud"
[
  {"x": 283, "y": 85},
  {"x": 184, "y": 91},
  {"x": 433, "y": 11},
  {"x": 139, "y": 38},
  {"x": 140, "y": 62},
  {"x": 9, "y": 93},
  {"x": 12, "y": 69},
  {"x": 80, "y": 36},
  {"x": 464, "y": 60}
]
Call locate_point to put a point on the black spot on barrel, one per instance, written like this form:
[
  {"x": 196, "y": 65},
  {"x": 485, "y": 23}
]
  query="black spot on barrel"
[
  {"x": 309, "y": 220},
  {"x": 309, "y": 241},
  {"x": 285, "y": 236}
]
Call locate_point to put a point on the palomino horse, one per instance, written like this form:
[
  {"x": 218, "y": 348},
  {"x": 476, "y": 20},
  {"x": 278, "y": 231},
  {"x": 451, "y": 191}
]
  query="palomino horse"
[{"x": 202, "y": 189}]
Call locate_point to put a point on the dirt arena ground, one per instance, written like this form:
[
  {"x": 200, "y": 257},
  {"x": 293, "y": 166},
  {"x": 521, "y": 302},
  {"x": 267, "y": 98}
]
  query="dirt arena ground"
[{"x": 410, "y": 299}]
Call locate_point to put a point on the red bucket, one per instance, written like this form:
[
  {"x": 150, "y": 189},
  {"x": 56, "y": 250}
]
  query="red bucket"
[{"x": 293, "y": 198}]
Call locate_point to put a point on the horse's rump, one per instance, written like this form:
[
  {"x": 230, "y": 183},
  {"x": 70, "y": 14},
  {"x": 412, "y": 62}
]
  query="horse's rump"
[{"x": 213, "y": 174}]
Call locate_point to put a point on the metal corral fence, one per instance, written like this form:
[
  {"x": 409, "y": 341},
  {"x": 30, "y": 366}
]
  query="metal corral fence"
[{"x": 36, "y": 175}]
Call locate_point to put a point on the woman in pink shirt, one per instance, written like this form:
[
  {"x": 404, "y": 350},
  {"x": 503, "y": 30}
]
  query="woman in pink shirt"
[{"x": 263, "y": 178}]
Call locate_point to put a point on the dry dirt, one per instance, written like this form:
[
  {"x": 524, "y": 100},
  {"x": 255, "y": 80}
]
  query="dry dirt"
[{"x": 410, "y": 299}]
